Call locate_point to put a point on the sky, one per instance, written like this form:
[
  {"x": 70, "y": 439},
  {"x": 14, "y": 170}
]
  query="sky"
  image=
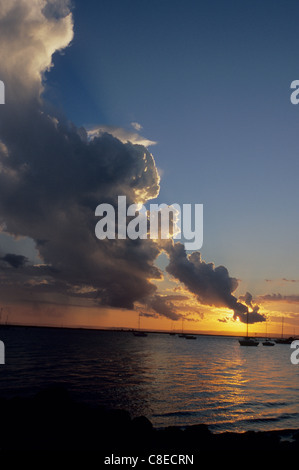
[{"x": 164, "y": 101}]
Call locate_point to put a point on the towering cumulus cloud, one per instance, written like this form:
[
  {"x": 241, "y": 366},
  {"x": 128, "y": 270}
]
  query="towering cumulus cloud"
[
  {"x": 52, "y": 177},
  {"x": 30, "y": 32}
]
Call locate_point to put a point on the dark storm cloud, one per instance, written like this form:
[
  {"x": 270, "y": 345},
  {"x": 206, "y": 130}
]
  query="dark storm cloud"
[
  {"x": 53, "y": 197},
  {"x": 254, "y": 316},
  {"x": 247, "y": 299},
  {"x": 166, "y": 305},
  {"x": 211, "y": 285},
  {"x": 149, "y": 315},
  {"x": 15, "y": 260}
]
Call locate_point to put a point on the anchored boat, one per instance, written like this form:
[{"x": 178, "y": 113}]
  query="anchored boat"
[{"x": 247, "y": 341}]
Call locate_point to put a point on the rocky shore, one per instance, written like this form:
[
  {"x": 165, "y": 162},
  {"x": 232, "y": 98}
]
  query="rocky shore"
[{"x": 51, "y": 420}]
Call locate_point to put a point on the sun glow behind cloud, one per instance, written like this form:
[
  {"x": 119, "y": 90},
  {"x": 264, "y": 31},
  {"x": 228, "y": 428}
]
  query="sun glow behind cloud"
[{"x": 122, "y": 134}]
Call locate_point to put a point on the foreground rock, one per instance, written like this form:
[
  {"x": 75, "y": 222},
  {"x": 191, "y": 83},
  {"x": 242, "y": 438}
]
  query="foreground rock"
[{"x": 53, "y": 421}]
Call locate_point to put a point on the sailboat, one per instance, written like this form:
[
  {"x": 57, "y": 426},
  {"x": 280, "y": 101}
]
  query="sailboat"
[
  {"x": 247, "y": 341},
  {"x": 139, "y": 332},
  {"x": 182, "y": 335},
  {"x": 267, "y": 342},
  {"x": 185, "y": 335},
  {"x": 190, "y": 337},
  {"x": 283, "y": 340},
  {"x": 3, "y": 324},
  {"x": 172, "y": 332}
]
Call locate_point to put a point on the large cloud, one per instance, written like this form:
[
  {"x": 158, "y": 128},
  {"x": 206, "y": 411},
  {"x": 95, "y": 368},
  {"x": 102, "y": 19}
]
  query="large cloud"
[{"x": 52, "y": 176}]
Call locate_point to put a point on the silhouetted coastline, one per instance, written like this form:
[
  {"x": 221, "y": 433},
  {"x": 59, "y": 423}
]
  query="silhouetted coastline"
[{"x": 52, "y": 420}]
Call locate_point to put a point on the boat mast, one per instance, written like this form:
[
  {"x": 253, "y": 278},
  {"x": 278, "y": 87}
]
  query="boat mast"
[{"x": 247, "y": 324}]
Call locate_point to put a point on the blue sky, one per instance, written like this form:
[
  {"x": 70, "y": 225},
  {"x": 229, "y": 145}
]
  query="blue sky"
[{"x": 210, "y": 83}]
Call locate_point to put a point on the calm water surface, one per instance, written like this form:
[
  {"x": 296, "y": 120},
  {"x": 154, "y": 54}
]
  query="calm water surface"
[{"x": 171, "y": 380}]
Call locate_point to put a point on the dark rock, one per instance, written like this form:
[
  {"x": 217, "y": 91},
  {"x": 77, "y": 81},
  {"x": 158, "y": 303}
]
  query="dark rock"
[
  {"x": 142, "y": 424},
  {"x": 198, "y": 437},
  {"x": 53, "y": 421}
]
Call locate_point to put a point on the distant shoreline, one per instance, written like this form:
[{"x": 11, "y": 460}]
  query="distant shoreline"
[{"x": 128, "y": 330}]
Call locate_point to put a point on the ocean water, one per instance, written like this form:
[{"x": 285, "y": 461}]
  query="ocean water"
[{"x": 170, "y": 380}]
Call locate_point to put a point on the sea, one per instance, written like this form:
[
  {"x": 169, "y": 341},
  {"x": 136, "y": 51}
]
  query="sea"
[{"x": 170, "y": 380}]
